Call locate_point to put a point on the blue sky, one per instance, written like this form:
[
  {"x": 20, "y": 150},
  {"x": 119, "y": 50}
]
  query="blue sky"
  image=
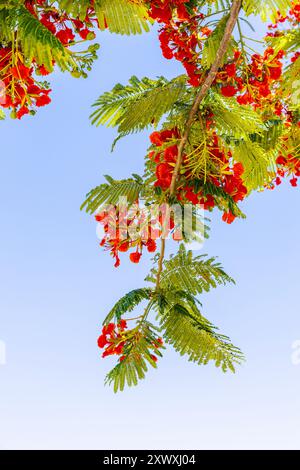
[{"x": 56, "y": 285}]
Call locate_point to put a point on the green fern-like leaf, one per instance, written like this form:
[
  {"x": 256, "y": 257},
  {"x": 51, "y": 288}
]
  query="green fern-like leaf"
[
  {"x": 193, "y": 335},
  {"x": 232, "y": 119},
  {"x": 212, "y": 44},
  {"x": 267, "y": 9},
  {"x": 122, "y": 16},
  {"x": 39, "y": 43},
  {"x": 112, "y": 192},
  {"x": 75, "y": 8},
  {"x": 128, "y": 303},
  {"x": 137, "y": 105},
  {"x": 259, "y": 164},
  {"x": 192, "y": 274},
  {"x": 137, "y": 356}
]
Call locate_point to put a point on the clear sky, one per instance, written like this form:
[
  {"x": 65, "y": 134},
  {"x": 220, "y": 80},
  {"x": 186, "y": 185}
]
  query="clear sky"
[{"x": 56, "y": 285}]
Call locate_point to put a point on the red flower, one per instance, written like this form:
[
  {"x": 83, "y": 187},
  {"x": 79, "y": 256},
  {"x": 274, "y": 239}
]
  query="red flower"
[
  {"x": 124, "y": 247},
  {"x": 245, "y": 99},
  {"x": 47, "y": 23},
  {"x": 238, "y": 169},
  {"x": 294, "y": 182},
  {"x": 100, "y": 217},
  {"x": 228, "y": 91},
  {"x": 208, "y": 202},
  {"x": 108, "y": 329},
  {"x": 34, "y": 90},
  {"x": 86, "y": 34},
  {"x": 195, "y": 80},
  {"x": 151, "y": 246},
  {"x": 230, "y": 69},
  {"x": 43, "y": 100},
  {"x": 171, "y": 153},
  {"x": 22, "y": 111},
  {"x": 281, "y": 160},
  {"x": 228, "y": 217},
  {"x": 206, "y": 31},
  {"x": 155, "y": 139},
  {"x": 192, "y": 197},
  {"x": 275, "y": 72},
  {"x": 65, "y": 35},
  {"x": 102, "y": 341},
  {"x": 20, "y": 71},
  {"x": 42, "y": 70},
  {"x": 122, "y": 324},
  {"x": 135, "y": 257}
]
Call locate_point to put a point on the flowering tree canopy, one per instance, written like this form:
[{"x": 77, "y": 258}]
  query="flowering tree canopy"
[{"x": 227, "y": 126}]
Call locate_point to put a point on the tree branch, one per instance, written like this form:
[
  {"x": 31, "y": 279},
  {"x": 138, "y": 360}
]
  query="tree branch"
[
  {"x": 232, "y": 20},
  {"x": 233, "y": 17}
]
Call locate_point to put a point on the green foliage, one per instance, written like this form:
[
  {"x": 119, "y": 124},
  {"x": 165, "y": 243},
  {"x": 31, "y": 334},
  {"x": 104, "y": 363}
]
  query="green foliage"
[
  {"x": 8, "y": 19},
  {"x": 39, "y": 43},
  {"x": 212, "y": 44},
  {"x": 111, "y": 193},
  {"x": 191, "y": 274},
  {"x": 193, "y": 335},
  {"x": 139, "y": 104},
  {"x": 270, "y": 137},
  {"x": 35, "y": 41},
  {"x": 233, "y": 119},
  {"x": 138, "y": 354},
  {"x": 128, "y": 303},
  {"x": 76, "y": 8},
  {"x": 259, "y": 164},
  {"x": 291, "y": 85},
  {"x": 289, "y": 41},
  {"x": 266, "y": 8},
  {"x": 122, "y": 16}
]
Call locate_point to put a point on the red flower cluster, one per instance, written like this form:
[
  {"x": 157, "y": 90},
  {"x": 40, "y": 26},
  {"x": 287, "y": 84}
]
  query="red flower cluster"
[
  {"x": 233, "y": 185},
  {"x": 117, "y": 225},
  {"x": 288, "y": 166},
  {"x": 21, "y": 89},
  {"x": 264, "y": 71},
  {"x": 63, "y": 27},
  {"x": 179, "y": 35},
  {"x": 112, "y": 339},
  {"x": 166, "y": 158},
  {"x": 229, "y": 178},
  {"x": 292, "y": 19},
  {"x": 23, "y": 93},
  {"x": 252, "y": 85},
  {"x": 228, "y": 78}
]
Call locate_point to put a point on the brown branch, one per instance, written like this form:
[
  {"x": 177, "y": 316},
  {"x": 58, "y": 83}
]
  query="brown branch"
[{"x": 233, "y": 17}]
